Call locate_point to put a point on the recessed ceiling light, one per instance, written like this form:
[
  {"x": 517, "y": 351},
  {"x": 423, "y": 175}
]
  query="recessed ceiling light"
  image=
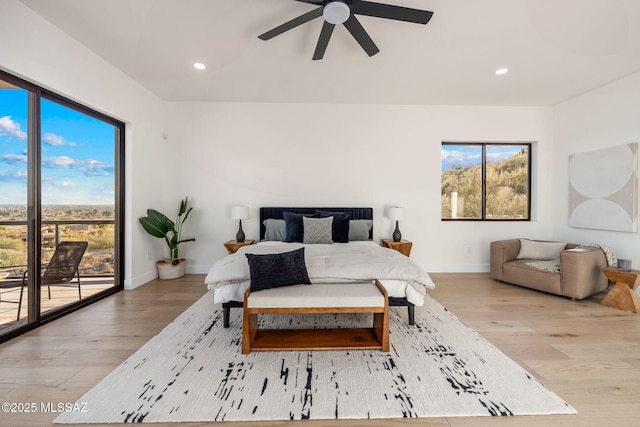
[
  {"x": 502, "y": 71},
  {"x": 199, "y": 66}
]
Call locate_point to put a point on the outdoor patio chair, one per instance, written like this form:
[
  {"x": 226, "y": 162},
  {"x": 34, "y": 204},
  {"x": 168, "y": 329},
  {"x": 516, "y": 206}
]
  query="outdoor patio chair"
[
  {"x": 10, "y": 279},
  {"x": 61, "y": 270}
]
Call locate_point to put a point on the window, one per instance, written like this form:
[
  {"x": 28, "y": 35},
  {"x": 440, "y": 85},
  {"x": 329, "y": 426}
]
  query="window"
[
  {"x": 486, "y": 181},
  {"x": 61, "y": 175}
]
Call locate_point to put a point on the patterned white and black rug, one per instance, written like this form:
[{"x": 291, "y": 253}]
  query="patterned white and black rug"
[{"x": 194, "y": 371}]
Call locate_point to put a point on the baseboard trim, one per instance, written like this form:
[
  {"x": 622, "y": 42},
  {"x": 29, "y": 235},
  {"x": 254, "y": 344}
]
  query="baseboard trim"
[{"x": 141, "y": 279}]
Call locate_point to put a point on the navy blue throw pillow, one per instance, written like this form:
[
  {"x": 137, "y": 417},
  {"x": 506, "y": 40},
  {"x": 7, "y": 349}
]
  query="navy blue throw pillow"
[
  {"x": 277, "y": 270},
  {"x": 340, "y": 226},
  {"x": 294, "y": 229}
]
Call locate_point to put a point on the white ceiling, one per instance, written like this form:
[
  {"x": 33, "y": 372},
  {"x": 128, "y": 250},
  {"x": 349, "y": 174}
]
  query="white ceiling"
[{"x": 555, "y": 50}]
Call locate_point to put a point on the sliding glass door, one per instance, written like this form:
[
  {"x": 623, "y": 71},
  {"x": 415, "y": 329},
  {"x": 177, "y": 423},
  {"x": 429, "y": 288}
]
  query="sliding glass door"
[
  {"x": 14, "y": 152},
  {"x": 60, "y": 205}
]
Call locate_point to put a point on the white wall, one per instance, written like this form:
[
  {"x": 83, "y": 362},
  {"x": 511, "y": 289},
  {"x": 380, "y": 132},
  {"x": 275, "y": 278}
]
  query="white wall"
[
  {"x": 34, "y": 49},
  {"x": 605, "y": 117},
  {"x": 226, "y": 154},
  {"x": 347, "y": 155}
]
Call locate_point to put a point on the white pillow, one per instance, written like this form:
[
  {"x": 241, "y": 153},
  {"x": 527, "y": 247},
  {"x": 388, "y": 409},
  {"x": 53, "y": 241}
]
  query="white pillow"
[{"x": 530, "y": 249}]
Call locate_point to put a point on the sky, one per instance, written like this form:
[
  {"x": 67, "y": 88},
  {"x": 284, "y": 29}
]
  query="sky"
[
  {"x": 466, "y": 155},
  {"x": 77, "y": 154}
]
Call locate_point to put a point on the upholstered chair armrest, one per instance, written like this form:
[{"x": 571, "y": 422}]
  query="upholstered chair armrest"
[
  {"x": 580, "y": 272},
  {"x": 502, "y": 251}
]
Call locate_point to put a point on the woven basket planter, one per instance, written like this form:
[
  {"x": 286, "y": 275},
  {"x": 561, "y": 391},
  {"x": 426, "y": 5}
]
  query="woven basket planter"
[{"x": 168, "y": 271}]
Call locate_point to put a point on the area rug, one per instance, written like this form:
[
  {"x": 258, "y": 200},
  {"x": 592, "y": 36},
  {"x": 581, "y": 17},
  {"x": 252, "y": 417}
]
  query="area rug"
[{"x": 194, "y": 371}]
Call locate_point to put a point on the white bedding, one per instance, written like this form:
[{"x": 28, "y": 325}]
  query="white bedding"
[{"x": 340, "y": 263}]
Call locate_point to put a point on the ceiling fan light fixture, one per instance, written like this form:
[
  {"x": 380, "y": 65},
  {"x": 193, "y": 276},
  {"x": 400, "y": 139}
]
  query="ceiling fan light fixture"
[{"x": 336, "y": 12}]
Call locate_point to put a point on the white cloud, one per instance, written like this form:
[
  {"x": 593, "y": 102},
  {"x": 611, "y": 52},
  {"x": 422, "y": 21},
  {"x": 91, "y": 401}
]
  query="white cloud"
[
  {"x": 13, "y": 159},
  {"x": 10, "y": 128},
  {"x": 496, "y": 156},
  {"x": 58, "y": 162},
  {"x": 459, "y": 156},
  {"x": 92, "y": 167},
  {"x": 89, "y": 167},
  {"x": 20, "y": 176},
  {"x": 449, "y": 155},
  {"x": 56, "y": 140}
]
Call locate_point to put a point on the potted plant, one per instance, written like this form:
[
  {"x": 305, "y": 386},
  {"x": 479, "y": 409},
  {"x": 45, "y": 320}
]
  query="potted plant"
[{"x": 158, "y": 225}]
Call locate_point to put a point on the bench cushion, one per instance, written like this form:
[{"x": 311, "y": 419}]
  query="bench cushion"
[{"x": 318, "y": 295}]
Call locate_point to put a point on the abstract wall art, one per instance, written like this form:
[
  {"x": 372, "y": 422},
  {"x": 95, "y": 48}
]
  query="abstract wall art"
[{"x": 603, "y": 189}]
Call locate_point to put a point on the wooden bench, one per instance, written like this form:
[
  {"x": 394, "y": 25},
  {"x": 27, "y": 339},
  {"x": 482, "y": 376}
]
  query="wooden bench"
[{"x": 313, "y": 299}]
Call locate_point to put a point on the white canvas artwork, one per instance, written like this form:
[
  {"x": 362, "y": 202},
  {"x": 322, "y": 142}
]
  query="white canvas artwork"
[{"x": 603, "y": 189}]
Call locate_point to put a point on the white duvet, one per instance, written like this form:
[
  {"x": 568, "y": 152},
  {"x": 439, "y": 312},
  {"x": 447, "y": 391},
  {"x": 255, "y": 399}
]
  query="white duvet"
[{"x": 335, "y": 263}]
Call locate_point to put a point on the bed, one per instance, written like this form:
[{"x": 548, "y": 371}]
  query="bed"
[{"x": 348, "y": 258}]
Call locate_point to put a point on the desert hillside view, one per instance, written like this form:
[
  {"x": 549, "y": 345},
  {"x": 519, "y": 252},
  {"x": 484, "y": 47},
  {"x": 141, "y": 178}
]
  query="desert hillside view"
[{"x": 91, "y": 223}]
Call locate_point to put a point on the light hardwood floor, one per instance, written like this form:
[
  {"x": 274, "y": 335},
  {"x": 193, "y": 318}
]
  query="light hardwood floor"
[
  {"x": 587, "y": 353},
  {"x": 60, "y": 295}
]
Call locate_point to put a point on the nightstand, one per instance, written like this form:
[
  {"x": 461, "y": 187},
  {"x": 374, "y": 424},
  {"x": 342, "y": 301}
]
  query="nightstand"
[
  {"x": 232, "y": 246},
  {"x": 403, "y": 246}
]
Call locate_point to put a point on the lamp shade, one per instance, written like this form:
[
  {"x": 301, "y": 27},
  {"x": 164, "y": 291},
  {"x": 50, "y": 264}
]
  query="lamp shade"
[
  {"x": 239, "y": 212},
  {"x": 395, "y": 214}
]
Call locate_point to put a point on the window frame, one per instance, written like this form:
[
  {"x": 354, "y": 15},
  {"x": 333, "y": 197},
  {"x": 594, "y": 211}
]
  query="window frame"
[
  {"x": 483, "y": 177},
  {"x": 36, "y": 93}
]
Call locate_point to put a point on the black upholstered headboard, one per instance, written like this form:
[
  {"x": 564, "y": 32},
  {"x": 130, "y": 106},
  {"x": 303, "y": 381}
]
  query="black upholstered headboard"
[{"x": 276, "y": 213}]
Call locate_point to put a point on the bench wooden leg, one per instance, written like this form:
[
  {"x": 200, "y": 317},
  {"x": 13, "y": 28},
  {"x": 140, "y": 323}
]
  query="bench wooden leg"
[
  {"x": 381, "y": 328},
  {"x": 412, "y": 314},
  {"x": 249, "y": 325},
  {"x": 381, "y": 320},
  {"x": 249, "y": 330}
]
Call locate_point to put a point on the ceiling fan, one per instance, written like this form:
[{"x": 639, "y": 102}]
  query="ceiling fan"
[{"x": 344, "y": 12}]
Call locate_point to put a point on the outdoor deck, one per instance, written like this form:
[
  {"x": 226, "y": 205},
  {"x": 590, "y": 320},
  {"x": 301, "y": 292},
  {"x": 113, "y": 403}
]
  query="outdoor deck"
[{"x": 60, "y": 295}]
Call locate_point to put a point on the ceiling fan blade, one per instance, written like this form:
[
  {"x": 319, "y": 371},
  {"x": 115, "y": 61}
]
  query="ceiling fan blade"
[
  {"x": 316, "y": 2},
  {"x": 388, "y": 11},
  {"x": 302, "y": 19},
  {"x": 361, "y": 36},
  {"x": 323, "y": 40}
]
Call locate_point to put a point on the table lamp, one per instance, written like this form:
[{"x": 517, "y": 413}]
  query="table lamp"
[
  {"x": 240, "y": 213},
  {"x": 396, "y": 214}
]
